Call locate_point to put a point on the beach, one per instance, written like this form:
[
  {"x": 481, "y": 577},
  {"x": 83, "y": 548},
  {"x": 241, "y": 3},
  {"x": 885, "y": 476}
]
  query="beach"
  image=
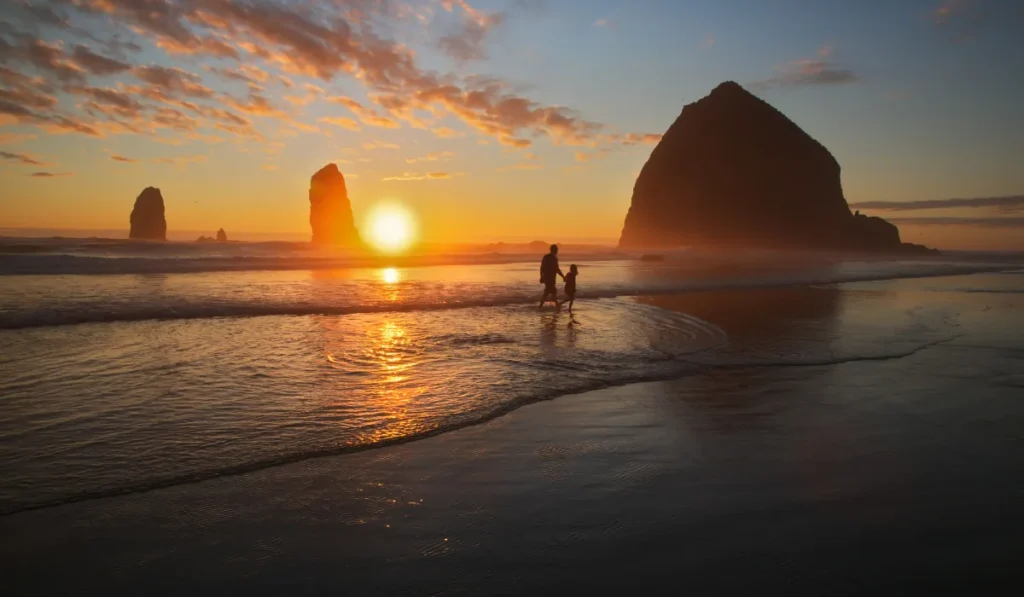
[{"x": 824, "y": 438}]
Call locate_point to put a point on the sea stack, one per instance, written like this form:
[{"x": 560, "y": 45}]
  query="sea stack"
[
  {"x": 734, "y": 171},
  {"x": 222, "y": 237},
  {"x": 147, "y": 219},
  {"x": 330, "y": 213}
]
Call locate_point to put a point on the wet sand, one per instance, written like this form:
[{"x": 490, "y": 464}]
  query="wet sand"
[{"x": 891, "y": 475}]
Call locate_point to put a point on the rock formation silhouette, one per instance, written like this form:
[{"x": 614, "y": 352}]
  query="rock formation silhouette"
[
  {"x": 330, "y": 213},
  {"x": 734, "y": 171},
  {"x": 147, "y": 219},
  {"x": 222, "y": 237}
]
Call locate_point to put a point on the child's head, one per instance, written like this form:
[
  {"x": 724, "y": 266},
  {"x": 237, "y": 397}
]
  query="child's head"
[{"x": 573, "y": 269}]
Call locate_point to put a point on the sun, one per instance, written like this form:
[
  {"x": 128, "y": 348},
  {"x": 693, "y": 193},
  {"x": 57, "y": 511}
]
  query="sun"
[{"x": 391, "y": 227}]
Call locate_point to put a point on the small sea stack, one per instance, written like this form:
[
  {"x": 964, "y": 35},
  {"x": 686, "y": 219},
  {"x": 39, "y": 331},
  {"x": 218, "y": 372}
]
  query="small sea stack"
[
  {"x": 222, "y": 237},
  {"x": 734, "y": 171},
  {"x": 147, "y": 219},
  {"x": 330, "y": 212}
]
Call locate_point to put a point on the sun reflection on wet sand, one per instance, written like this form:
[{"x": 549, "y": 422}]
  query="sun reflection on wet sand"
[{"x": 394, "y": 356}]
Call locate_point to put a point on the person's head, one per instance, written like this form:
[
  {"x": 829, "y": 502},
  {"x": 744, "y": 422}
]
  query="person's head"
[
  {"x": 554, "y": 249},
  {"x": 573, "y": 269}
]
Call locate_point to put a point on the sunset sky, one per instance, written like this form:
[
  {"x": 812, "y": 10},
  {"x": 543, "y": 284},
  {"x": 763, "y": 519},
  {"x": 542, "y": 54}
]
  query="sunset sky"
[{"x": 494, "y": 119}]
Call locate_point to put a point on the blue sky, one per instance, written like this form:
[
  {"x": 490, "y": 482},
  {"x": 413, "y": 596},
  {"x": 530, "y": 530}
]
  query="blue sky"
[{"x": 917, "y": 99}]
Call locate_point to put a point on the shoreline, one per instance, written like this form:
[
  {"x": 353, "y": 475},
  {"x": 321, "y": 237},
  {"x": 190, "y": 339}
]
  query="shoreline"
[{"x": 621, "y": 487}]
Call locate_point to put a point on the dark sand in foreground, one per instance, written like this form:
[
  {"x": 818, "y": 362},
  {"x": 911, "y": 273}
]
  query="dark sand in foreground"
[{"x": 895, "y": 475}]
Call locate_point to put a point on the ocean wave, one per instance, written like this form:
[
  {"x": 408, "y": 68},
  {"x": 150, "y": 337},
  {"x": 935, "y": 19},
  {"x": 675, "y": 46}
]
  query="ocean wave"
[
  {"x": 33, "y": 264},
  {"x": 169, "y": 308},
  {"x": 678, "y": 367}
]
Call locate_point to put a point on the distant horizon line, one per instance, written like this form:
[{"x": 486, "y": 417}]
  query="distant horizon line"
[{"x": 192, "y": 235}]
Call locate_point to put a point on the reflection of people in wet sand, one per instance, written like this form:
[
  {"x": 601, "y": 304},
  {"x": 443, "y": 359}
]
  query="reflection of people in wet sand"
[
  {"x": 570, "y": 286},
  {"x": 548, "y": 270}
]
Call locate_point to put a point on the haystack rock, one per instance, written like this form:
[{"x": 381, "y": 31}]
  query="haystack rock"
[
  {"x": 222, "y": 237},
  {"x": 148, "y": 216},
  {"x": 734, "y": 171},
  {"x": 330, "y": 213}
]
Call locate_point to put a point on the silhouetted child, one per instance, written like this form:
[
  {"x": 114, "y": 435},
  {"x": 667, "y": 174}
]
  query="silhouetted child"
[{"x": 570, "y": 285}]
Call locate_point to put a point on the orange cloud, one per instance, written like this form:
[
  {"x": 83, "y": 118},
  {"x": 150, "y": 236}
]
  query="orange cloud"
[
  {"x": 201, "y": 45},
  {"x": 14, "y": 138},
  {"x": 513, "y": 142},
  {"x": 50, "y": 174},
  {"x": 255, "y": 104},
  {"x": 447, "y": 133},
  {"x": 317, "y": 39},
  {"x": 468, "y": 40},
  {"x": 380, "y": 145},
  {"x": 411, "y": 176},
  {"x": 345, "y": 123},
  {"x": 522, "y": 166},
  {"x": 638, "y": 138},
  {"x": 582, "y": 156},
  {"x": 173, "y": 81},
  {"x": 124, "y": 160},
  {"x": 431, "y": 157},
  {"x": 181, "y": 160},
  {"x": 367, "y": 116}
]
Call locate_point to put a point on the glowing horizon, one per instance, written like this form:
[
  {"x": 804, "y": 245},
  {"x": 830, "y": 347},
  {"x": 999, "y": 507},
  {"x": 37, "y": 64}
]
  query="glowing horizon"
[{"x": 489, "y": 120}]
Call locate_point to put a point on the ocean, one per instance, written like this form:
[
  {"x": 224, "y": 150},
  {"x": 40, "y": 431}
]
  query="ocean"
[{"x": 131, "y": 370}]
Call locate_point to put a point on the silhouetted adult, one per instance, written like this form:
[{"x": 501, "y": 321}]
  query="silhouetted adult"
[{"x": 548, "y": 270}]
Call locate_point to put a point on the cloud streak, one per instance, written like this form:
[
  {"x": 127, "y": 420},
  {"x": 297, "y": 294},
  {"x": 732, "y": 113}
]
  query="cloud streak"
[
  {"x": 1006, "y": 222},
  {"x": 807, "y": 72},
  {"x": 431, "y": 157},
  {"x": 181, "y": 161},
  {"x": 1007, "y": 203},
  {"x": 20, "y": 158},
  {"x": 413, "y": 176}
]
